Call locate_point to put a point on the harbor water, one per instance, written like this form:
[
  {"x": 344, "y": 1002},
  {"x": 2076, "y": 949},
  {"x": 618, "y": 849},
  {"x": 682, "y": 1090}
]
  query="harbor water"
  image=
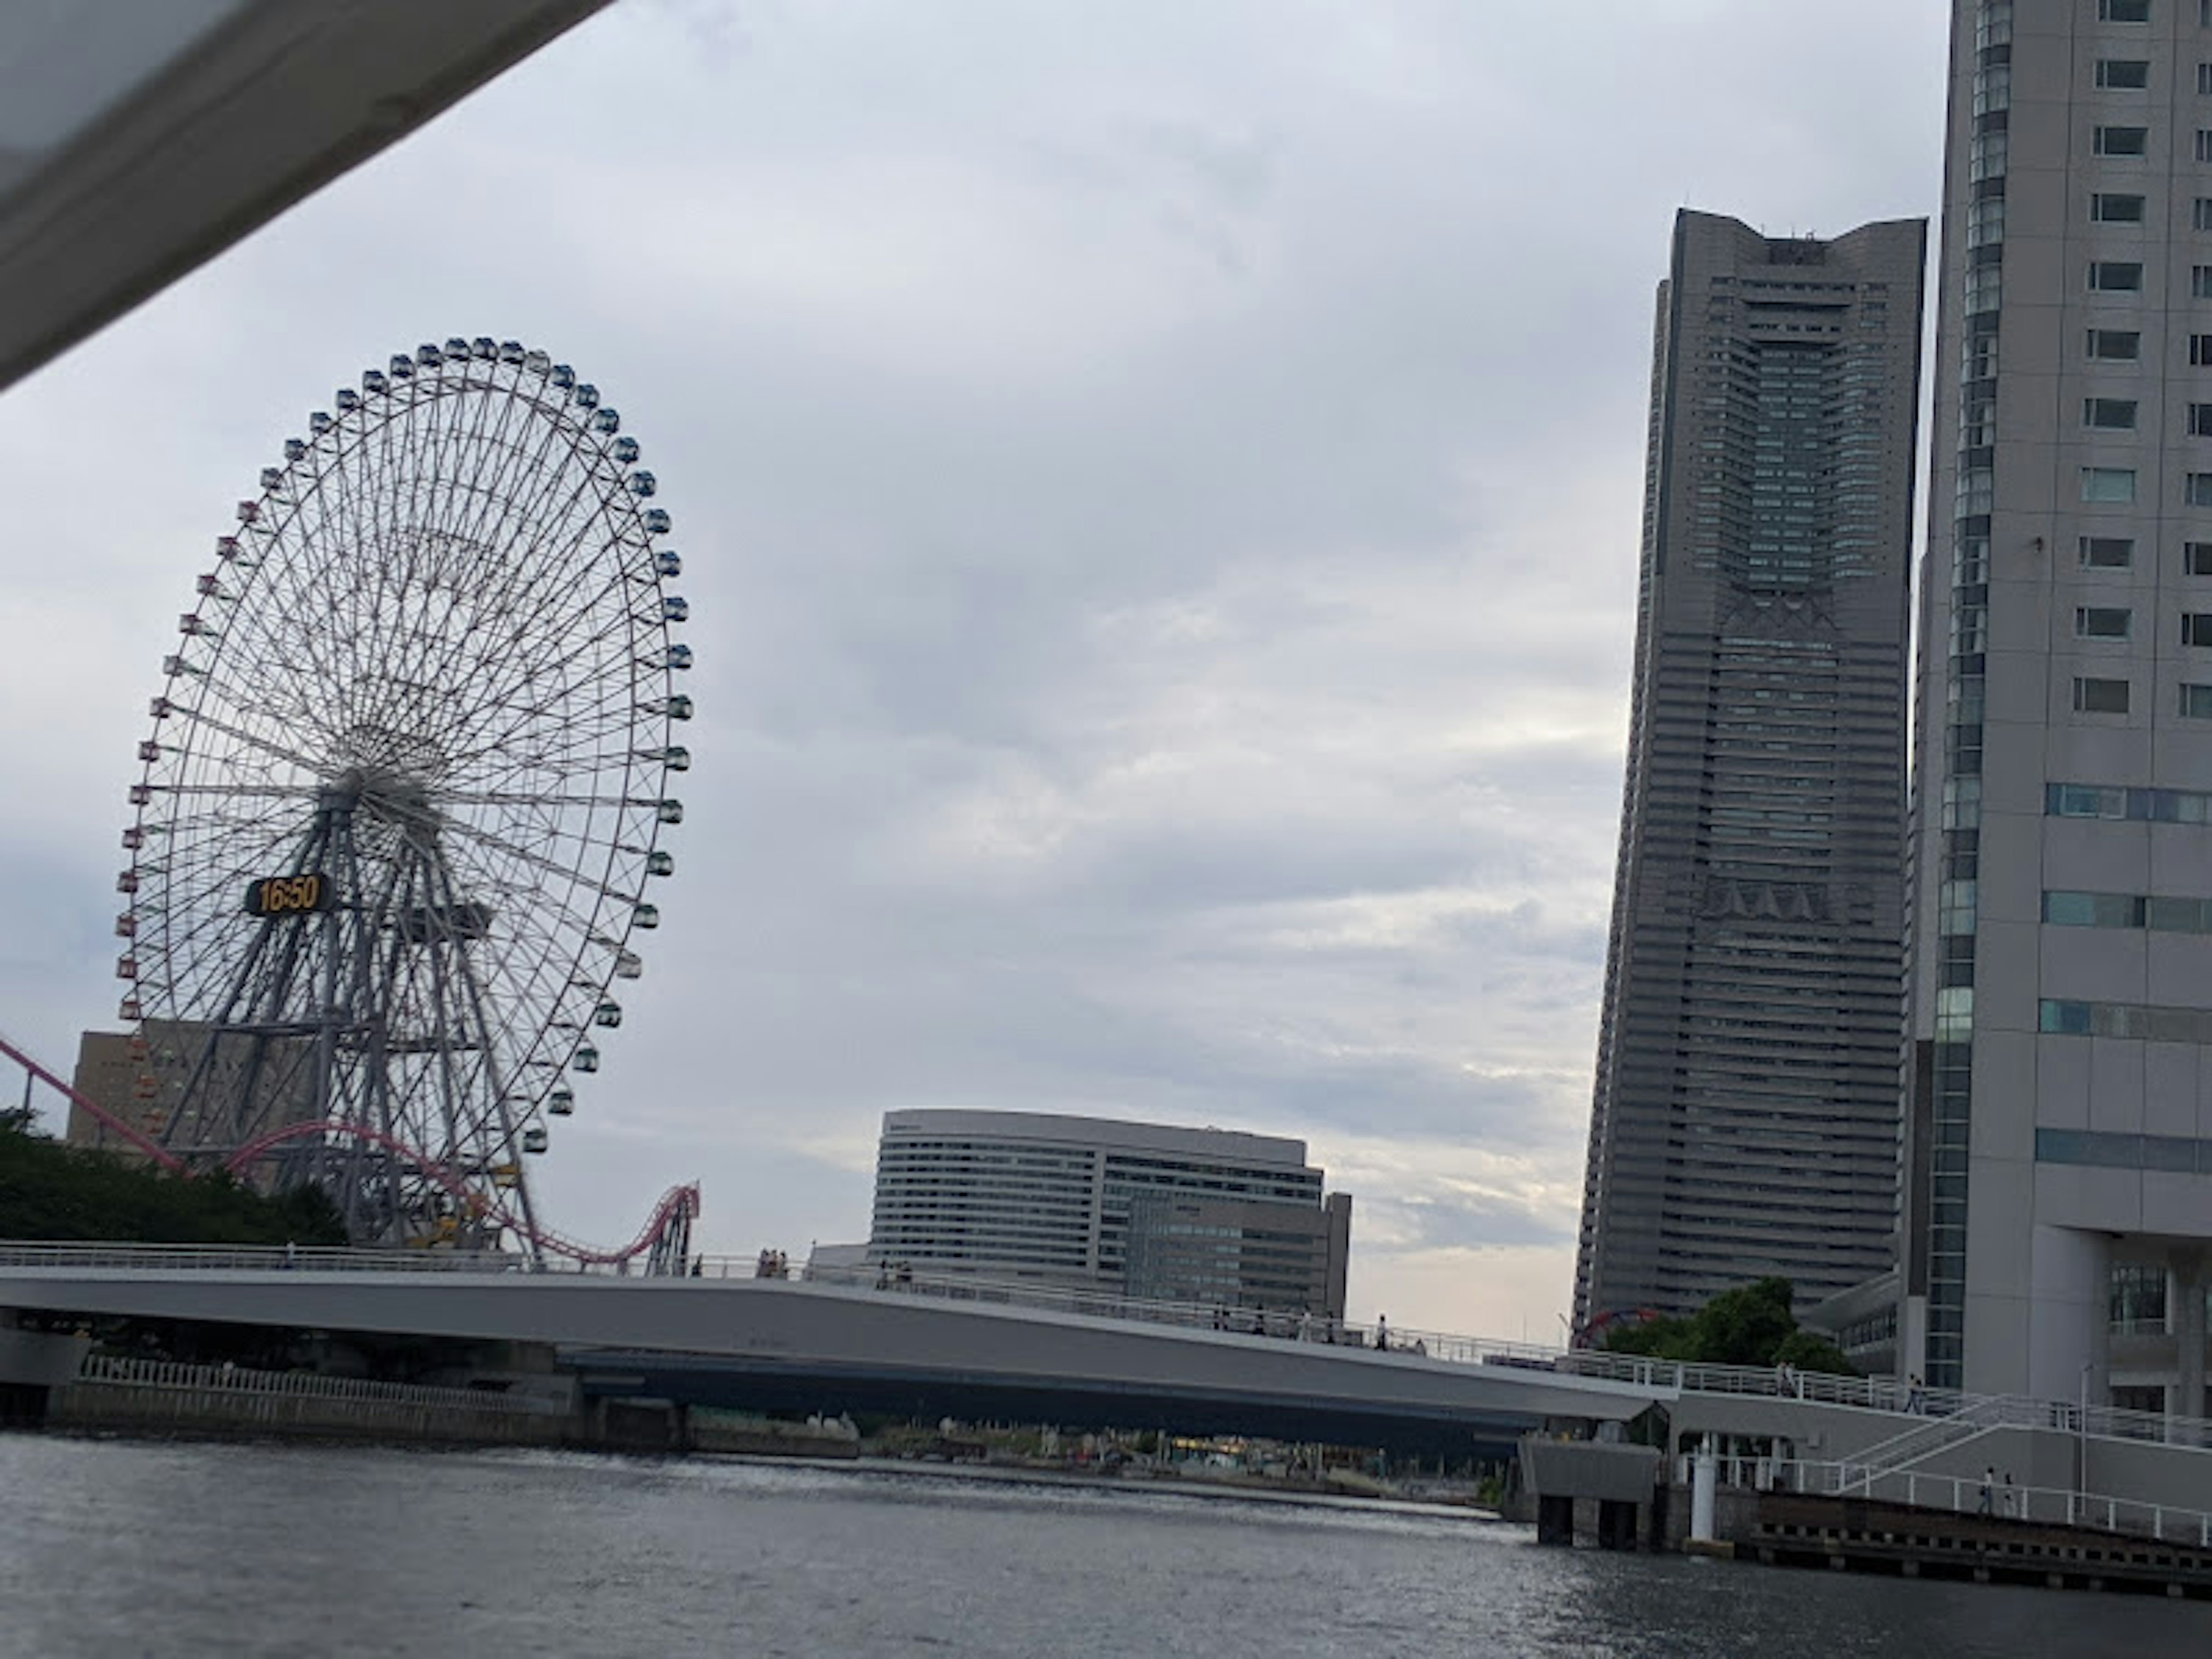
[{"x": 116, "y": 1548}]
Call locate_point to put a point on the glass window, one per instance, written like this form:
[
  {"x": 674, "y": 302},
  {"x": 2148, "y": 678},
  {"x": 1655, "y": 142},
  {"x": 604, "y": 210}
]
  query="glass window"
[
  {"x": 1988, "y": 157},
  {"x": 2118, "y": 483},
  {"x": 2200, "y": 350},
  {"x": 2200, "y": 420},
  {"x": 2111, "y": 552},
  {"x": 2116, "y": 276},
  {"x": 2122, "y": 74},
  {"x": 2063, "y": 1019},
  {"x": 2107, "y": 209},
  {"x": 2109, "y": 414},
  {"x": 2106, "y": 1151},
  {"x": 2102, "y": 622},
  {"x": 2138, "y": 1297},
  {"x": 2084, "y": 801},
  {"x": 2196, "y": 558},
  {"x": 2099, "y": 696},
  {"x": 2196, "y": 628},
  {"x": 2200, "y": 214},
  {"x": 2197, "y": 702},
  {"x": 2204, "y": 80},
  {"x": 2120, "y": 141},
  {"x": 2173, "y": 915},
  {"x": 1992, "y": 89},
  {"x": 2200, "y": 281},
  {"x": 2197, "y": 489},
  {"x": 2120, "y": 345},
  {"x": 2203, "y": 145},
  {"x": 2123, "y": 11},
  {"x": 2068, "y": 909}
]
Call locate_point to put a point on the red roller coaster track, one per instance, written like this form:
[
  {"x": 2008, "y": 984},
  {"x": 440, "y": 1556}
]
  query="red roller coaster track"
[{"x": 679, "y": 1206}]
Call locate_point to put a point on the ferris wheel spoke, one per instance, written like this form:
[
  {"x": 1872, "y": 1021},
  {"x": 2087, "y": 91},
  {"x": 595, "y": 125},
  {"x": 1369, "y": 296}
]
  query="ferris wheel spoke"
[
  {"x": 563, "y": 873},
  {"x": 201, "y": 716}
]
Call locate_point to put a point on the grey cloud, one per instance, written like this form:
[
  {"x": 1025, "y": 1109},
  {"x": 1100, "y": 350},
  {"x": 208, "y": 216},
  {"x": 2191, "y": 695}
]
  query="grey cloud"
[{"x": 1159, "y": 489}]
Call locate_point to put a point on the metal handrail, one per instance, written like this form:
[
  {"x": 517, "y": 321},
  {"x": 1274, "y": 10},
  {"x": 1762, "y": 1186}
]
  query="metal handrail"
[
  {"x": 1932, "y": 1433},
  {"x": 238, "y": 1379},
  {"x": 253, "y": 1258},
  {"x": 1978, "y": 1496}
]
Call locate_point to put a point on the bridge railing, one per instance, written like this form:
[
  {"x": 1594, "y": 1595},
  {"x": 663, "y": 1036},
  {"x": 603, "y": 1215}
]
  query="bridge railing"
[
  {"x": 1190, "y": 1315},
  {"x": 1970, "y": 1495},
  {"x": 237, "y": 1379},
  {"x": 253, "y": 1258}
]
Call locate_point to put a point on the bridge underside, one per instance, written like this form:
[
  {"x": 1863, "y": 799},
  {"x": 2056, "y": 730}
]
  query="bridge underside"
[{"x": 1066, "y": 1402}]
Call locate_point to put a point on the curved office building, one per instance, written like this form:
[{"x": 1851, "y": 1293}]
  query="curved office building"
[{"x": 1203, "y": 1215}]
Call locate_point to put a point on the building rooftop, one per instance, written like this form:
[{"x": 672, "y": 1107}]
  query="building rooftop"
[{"x": 1113, "y": 1132}]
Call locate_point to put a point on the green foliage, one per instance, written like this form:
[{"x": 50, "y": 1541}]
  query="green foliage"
[
  {"x": 1804, "y": 1351},
  {"x": 1750, "y": 1325},
  {"x": 1655, "y": 1338},
  {"x": 52, "y": 1191},
  {"x": 1745, "y": 1326}
]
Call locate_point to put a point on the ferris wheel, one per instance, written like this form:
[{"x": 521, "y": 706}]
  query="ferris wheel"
[{"x": 400, "y": 813}]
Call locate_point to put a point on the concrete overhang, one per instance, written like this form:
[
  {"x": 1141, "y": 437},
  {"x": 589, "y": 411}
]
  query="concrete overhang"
[{"x": 139, "y": 138}]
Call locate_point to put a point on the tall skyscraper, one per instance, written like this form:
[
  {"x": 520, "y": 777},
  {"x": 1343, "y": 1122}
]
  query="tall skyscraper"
[
  {"x": 2060, "y": 1189},
  {"x": 1745, "y": 1115}
]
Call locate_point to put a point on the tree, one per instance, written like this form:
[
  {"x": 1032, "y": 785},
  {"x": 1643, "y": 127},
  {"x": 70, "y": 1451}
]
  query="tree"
[
  {"x": 52, "y": 1191},
  {"x": 1749, "y": 1325},
  {"x": 1745, "y": 1326}
]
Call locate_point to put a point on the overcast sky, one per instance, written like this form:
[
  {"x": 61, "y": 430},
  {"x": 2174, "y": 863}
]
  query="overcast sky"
[{"x": 1158, "y": 488}]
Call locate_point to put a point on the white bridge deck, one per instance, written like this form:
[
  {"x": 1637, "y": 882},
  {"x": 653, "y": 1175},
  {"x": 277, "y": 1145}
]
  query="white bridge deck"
[
  {"x": 726, "y": 1335},
  {"x": 966, "y": 1347}
]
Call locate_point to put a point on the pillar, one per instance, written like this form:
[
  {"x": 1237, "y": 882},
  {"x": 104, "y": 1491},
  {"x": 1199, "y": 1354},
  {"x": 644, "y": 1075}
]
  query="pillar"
[
  {"x": 1704, "y": 1480},
  {"x": 2065, "y": 1344},
  {"x": 1616, "y": 1524},
  {"x": 2184, "y": 1317},
  {"x": 1555, "y": 1519}
]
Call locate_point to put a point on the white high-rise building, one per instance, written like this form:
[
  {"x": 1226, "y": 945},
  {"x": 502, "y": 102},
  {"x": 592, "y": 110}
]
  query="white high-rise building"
[{"x": 2059, "y": 1159}]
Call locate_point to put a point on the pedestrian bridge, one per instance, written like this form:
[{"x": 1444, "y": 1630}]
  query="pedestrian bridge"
[{"x": 928, "y": 1347}]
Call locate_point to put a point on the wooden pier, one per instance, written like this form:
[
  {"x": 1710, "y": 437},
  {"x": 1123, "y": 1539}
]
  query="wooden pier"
[{"x": 1855, "y": 1534}]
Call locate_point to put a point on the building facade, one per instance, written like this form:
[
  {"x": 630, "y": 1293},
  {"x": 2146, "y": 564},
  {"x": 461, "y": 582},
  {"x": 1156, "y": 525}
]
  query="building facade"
[
  {"x": 1240, "y": 1252},
  {"x": 1745, "y": 1116},
  {"x": 121, "y": 1071},
  {"x": 1067, "y": 1199},
  {"x": 2060, "y": 1163}
]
